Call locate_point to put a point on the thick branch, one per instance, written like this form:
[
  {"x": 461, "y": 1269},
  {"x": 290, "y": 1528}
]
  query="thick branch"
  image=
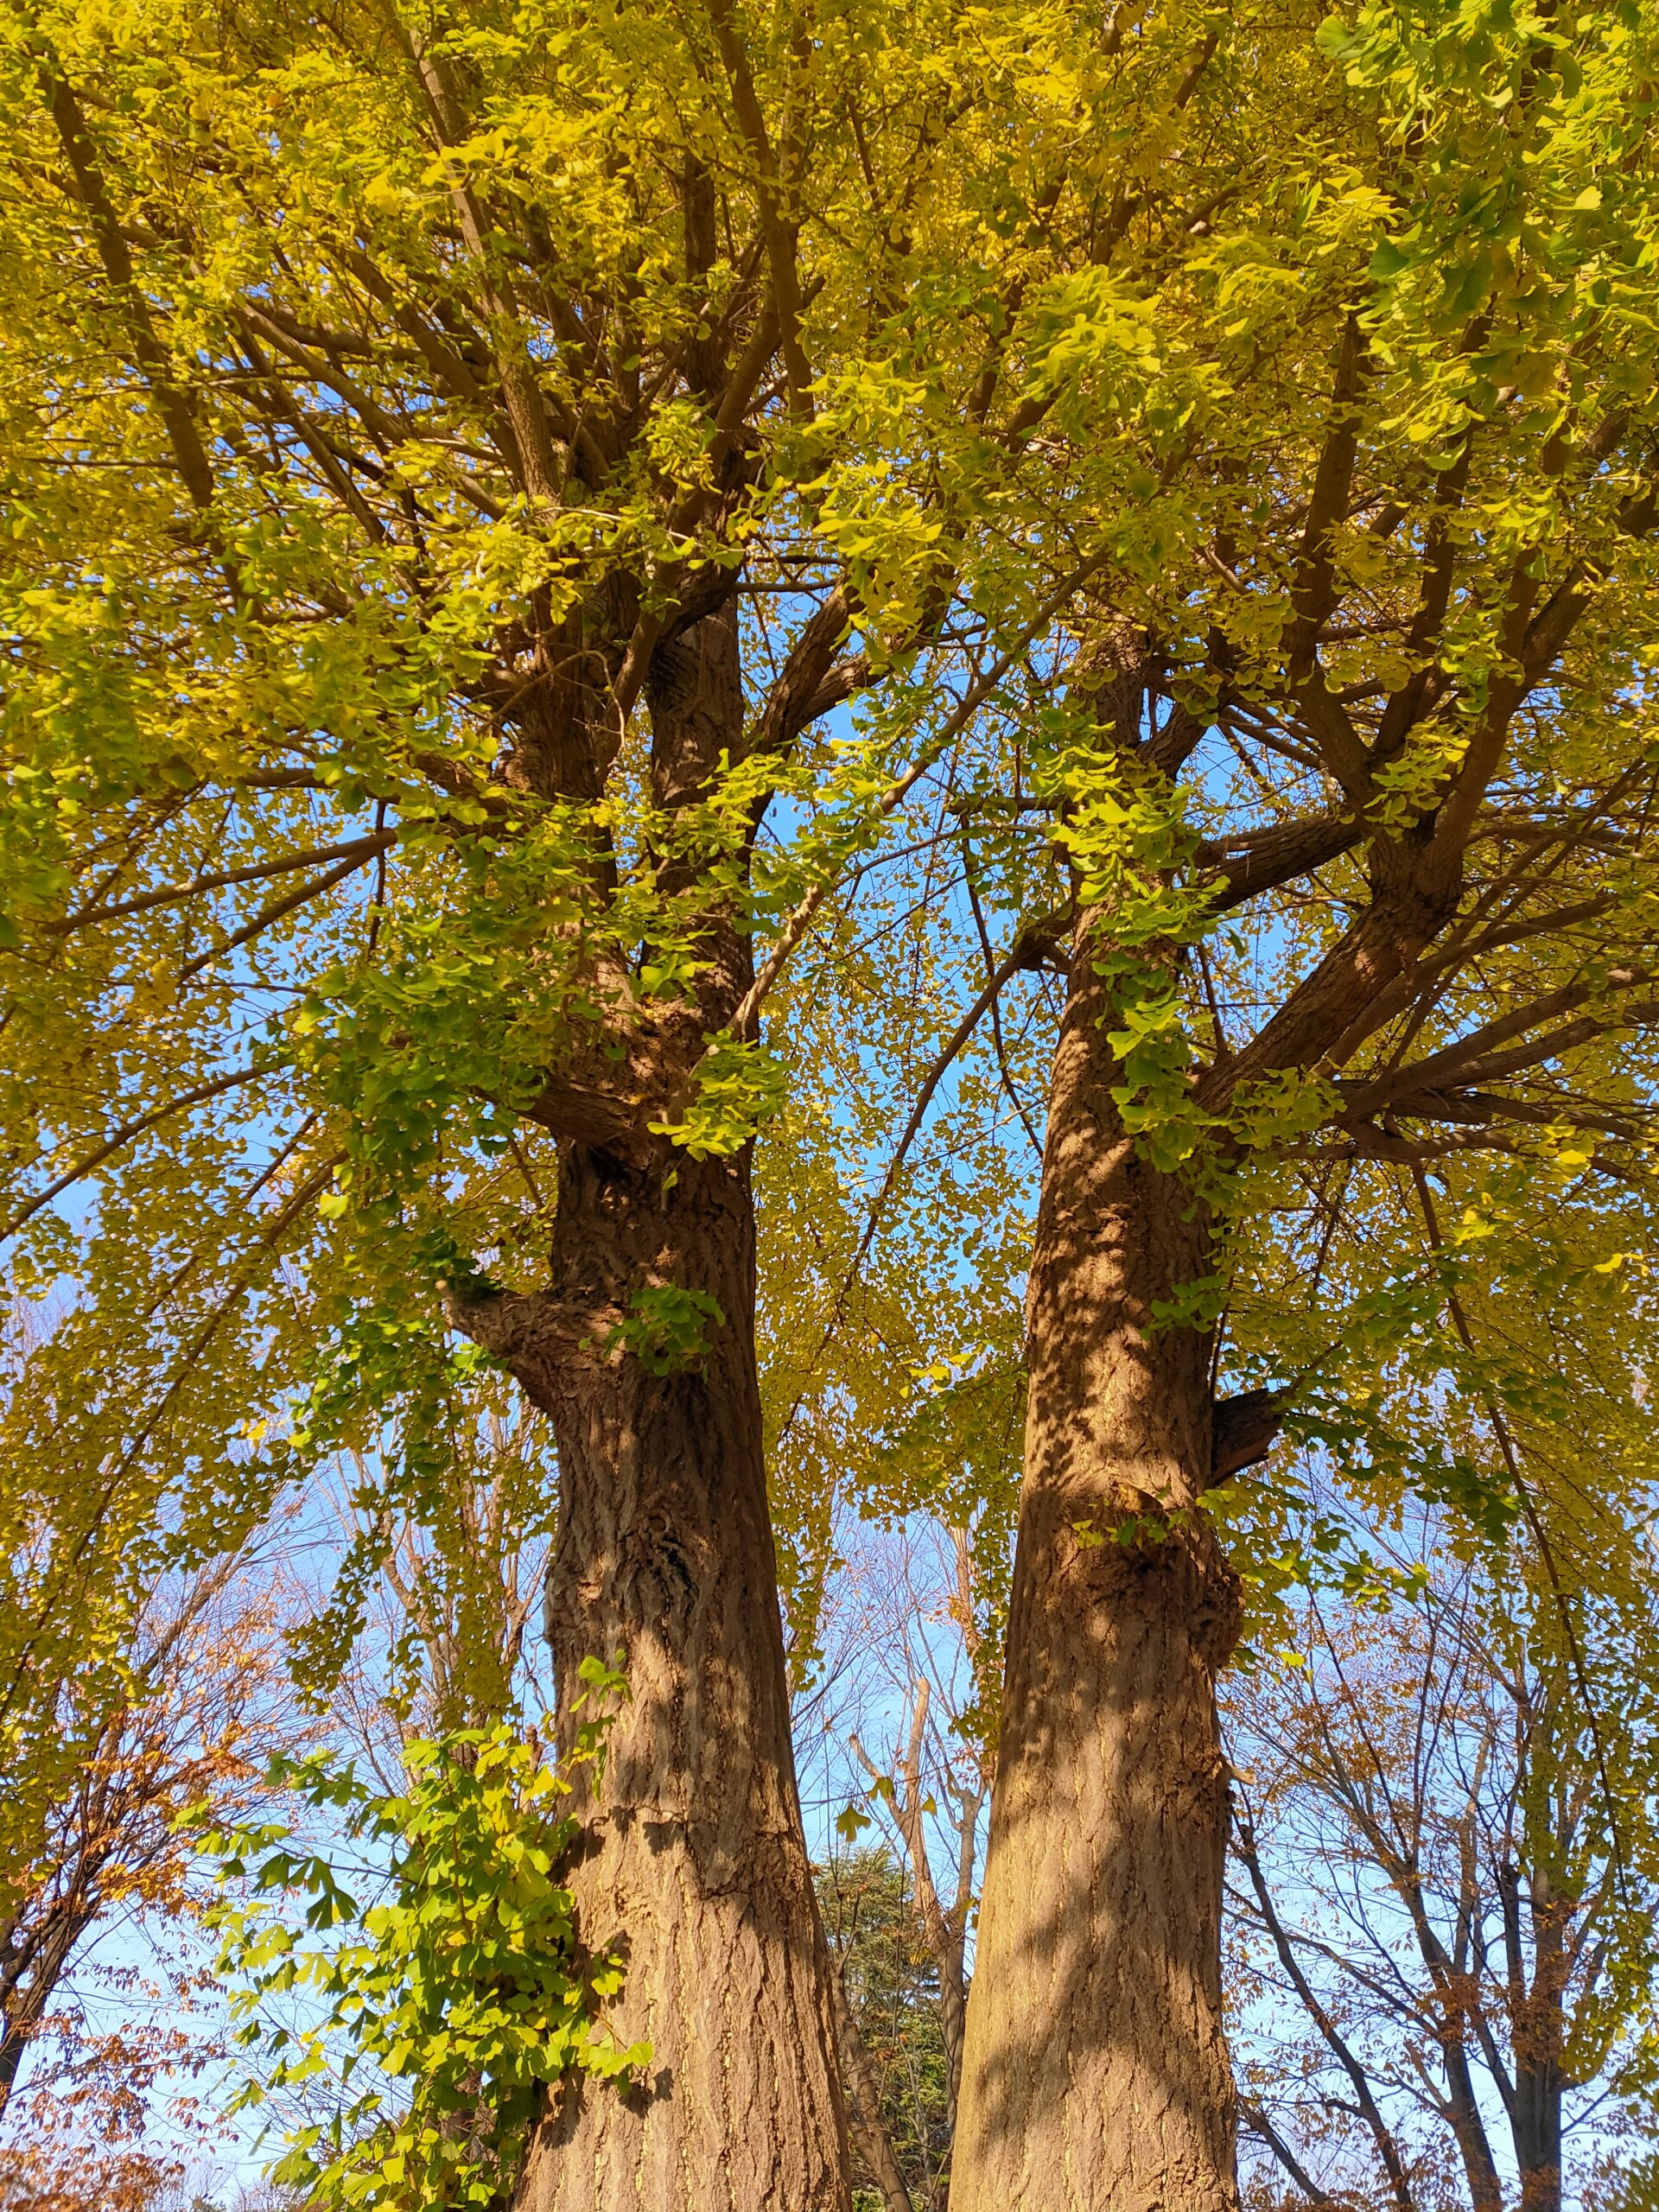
[
  {"x": 864, "y": 2123},
  {"x": 811, "y": 680},
  {"x": 1313, "y": 593},
  {"x": 1477, "y": 1061},
  {"x": 189, "y": 451},
  {"x": 1262, "y": 860},
  {"x": 1535, "y": 649},
  {"x": 779, "y": 231},
  {"x": 1243, "y": 1430}
]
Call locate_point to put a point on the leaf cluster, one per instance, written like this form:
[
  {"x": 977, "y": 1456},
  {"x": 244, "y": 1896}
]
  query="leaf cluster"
[{"x": 437, "y": 2021}]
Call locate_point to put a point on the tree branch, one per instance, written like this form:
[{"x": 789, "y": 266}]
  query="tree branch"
[
  {"x": 811, "y": 680},
  {"x": 189, "y": 452},
  {"x": 126, "y": 1135},
  {"x": 174, "y": 894},
  {"x": 1262, "y": 860},
  {"x": 1258, "y": 2123},
  {"x": 1387, "y": 2151},
  {"x": 277, "y": 908}
]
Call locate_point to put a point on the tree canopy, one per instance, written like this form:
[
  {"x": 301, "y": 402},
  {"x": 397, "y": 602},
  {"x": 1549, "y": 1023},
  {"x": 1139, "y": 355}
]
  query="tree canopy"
[{"x": 1010, "y": 612}]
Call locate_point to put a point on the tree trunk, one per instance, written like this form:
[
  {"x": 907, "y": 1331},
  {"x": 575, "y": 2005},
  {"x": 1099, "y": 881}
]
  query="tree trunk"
[
  {"x": 32, "y": 1964},
  {"x": 1095, "y": 2074},
  {"x": 869, "y": 2129},
  {"x": 1538, "y": 2028},
  {"x": 694, "y": 1864}
]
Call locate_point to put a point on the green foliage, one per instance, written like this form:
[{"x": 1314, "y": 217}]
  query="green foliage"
[
  {"x": 262, "y": 601},
  {"x": 433, "y": 2021},
  {"x": 738, "y": 1087},
  {"x": 667, "y": 1328},
  {"x": 1046, "y": 335}
]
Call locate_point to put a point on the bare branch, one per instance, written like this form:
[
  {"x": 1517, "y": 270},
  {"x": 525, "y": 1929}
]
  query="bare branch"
[
  {"x": 1258, "y": 2123},
  {"x": 1388, "y": 2150}
]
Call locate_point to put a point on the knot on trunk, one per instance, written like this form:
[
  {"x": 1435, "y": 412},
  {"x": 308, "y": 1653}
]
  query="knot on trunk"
[
  {"x": 532, "y": 1334},
  {"x": 1243, "y": 1430}
]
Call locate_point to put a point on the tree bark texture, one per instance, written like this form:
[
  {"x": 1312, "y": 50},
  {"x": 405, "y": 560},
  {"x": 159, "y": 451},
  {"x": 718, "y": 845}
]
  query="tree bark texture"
[
  {"x": 694, "y": 1864},
  {"x": 1095, "y": 2074}
]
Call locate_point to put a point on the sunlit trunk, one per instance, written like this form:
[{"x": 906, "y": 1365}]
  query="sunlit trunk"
[
  {"x": 1096, "y": 2076},
  {"x": 695, "y": 1863}
]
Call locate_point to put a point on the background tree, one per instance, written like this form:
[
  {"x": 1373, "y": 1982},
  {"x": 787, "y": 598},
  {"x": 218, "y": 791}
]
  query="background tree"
[
  {"x": 181, "y": 1742},
  {"x": 895, "y": 2062},
  {"x": 894, "y": 1764},
  {"x": 109, "y": 2024},
  {"x": 1428, "y": 1885}
]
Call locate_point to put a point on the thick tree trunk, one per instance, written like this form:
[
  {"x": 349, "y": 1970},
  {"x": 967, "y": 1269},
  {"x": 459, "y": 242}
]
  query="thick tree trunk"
[
  {"x": 1096, "y": 2077},
  {"x": 694, "y": 1867}
]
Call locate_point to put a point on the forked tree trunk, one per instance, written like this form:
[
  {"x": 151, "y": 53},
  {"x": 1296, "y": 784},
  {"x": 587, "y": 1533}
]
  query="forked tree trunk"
[
  {"x": 694, "y": 1864},
  {"x": 1096, "y": 2077}
]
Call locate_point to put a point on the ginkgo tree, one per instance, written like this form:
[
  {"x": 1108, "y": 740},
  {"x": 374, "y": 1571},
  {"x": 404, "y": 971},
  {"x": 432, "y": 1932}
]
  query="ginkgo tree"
[
  {"x": 394, "y": 437},
  {"x": 1328, "y": 809},
  {"x": 1353, "y": 794},
  {"x": 455, "y": 463}
]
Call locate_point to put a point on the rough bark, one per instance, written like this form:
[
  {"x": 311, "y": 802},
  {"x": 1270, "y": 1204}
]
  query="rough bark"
[
  {"x": 694, "y": 1864},
  {"x": 1095, "y": 2074}
]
